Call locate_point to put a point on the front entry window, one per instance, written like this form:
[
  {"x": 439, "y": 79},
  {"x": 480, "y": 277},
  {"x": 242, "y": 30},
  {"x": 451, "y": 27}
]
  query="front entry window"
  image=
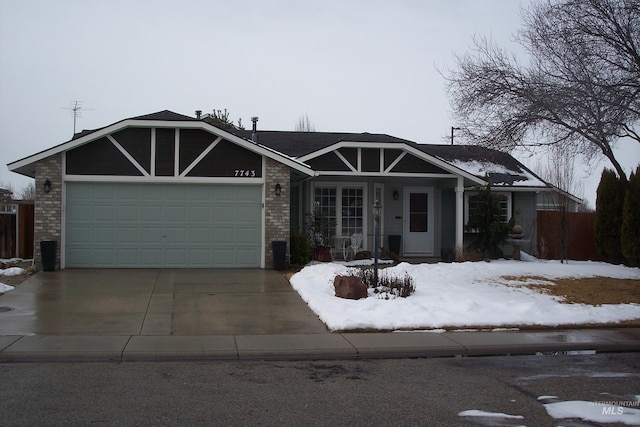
[
  {"x": 418, "y": 212},
  {"x": 351, "y": 210},
  {"x": 343, "y": 206}
]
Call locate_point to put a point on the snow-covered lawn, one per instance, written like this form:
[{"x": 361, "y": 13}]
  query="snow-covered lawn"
[{"x": 462, "y": 295}]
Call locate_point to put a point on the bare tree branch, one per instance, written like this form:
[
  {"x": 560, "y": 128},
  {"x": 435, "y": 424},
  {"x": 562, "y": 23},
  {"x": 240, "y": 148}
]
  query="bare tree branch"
[{"x": 579, "y": 91}]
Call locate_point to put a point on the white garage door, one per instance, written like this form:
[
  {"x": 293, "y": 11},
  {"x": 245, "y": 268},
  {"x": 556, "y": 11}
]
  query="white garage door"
[{"x": 162, "y": 225}]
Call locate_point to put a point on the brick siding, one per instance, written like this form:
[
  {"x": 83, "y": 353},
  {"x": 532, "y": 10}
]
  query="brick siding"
[
  {"x": 48, "y": 206},
  {"x": 277, "y": 221}
]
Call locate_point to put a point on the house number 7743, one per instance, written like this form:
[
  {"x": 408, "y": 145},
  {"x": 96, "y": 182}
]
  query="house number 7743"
[{"x": 250, "y": 173}]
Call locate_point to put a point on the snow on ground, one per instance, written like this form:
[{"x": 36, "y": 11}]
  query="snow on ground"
[
  {"x": 5, "y": 288},
  {"x": 12, "y": 271},
  {"x": 477, "y": 413},
  {"x": 599, "y": 412},
  {"x": 463, "y": 294}
]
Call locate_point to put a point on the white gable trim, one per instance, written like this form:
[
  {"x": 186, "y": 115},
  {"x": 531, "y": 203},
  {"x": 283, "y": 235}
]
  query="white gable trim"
[
  {"x": 69, "y": 145},
  {"x": 406, "y": 148}
]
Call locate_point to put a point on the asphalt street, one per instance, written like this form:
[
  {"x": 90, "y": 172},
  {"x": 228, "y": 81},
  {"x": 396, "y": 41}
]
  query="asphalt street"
[{"x": 358, "y": 392}]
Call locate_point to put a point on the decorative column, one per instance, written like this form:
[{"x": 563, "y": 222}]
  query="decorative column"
[{"x": 460, "y": 213}]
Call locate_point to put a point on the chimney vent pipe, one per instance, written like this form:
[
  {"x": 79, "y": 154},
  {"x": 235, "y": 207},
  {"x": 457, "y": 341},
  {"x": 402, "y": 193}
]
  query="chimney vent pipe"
[{"x": 254, "y": 133}]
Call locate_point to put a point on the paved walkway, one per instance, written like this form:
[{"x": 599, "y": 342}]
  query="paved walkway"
[{"x": 126, "y": 315}]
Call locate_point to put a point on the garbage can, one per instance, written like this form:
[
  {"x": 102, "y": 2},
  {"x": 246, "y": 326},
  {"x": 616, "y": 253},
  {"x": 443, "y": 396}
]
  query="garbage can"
[
  {"x": 48, "y": 254},
  {"x": 279, "y": 254},
  {"x": 394, "y": 243}
]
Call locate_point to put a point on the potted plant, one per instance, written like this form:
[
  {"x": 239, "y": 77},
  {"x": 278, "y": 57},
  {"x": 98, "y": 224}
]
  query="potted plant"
[{"x": 319, "y": 227}]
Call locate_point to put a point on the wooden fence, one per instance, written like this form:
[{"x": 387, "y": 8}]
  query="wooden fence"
[
  {"x": 579, "y": 232},
  {"x": 16, "y": 233}
]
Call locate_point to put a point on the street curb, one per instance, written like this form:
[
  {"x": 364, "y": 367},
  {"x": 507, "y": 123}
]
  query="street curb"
[{"x": 345, "y": 346}]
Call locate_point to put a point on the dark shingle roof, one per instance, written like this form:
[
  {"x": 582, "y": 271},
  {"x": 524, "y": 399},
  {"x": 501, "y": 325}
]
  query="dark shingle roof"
[
  {"x": 298, "y": 144},
  {"x": 500, "y": 168},
  {"x": 497, "y": 166},
  {"x": 165, "y": 115}
]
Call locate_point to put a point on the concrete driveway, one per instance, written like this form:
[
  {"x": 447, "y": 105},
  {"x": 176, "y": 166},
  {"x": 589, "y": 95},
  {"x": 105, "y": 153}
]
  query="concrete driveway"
[{"x": 156, "y": 302}]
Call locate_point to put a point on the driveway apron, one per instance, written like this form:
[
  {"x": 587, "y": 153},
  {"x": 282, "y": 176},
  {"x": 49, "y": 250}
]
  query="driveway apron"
[{"x": 156, "y": 302}]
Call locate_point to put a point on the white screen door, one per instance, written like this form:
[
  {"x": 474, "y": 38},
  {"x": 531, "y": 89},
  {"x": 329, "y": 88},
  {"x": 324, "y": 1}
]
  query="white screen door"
[{"x": 418, "y": 221}]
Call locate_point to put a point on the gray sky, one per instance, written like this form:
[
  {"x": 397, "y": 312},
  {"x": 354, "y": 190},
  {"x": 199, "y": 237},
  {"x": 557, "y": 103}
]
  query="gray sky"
[{"x": 350, "y": 65}]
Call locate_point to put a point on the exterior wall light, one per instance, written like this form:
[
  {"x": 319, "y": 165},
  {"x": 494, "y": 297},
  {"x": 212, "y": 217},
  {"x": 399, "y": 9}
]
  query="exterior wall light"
[
  {"x": 396, "y": 195},
  {"x": 278, "y": 189},
  {"x": 47, "y": 185}
]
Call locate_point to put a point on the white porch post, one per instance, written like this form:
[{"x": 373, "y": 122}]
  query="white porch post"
[{"x": 460, "y": 212}]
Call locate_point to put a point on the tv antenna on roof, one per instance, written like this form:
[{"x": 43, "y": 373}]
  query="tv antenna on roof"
[{"x": 74, "y": 108}]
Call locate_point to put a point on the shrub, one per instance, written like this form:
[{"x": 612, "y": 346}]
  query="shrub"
[
  {"x": 630, "y": 231},
  {"x": 609, "y": 203},
  {"x": 300, "y": 249},
  {"x": 388, "y": 286},
  {"x": 490, "y": 231}
]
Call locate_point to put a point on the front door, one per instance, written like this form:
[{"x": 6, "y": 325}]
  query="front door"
[{"x": 418, "y": 221}]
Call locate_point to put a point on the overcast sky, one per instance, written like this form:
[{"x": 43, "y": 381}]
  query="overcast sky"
[{"x": 350, "y": 65}]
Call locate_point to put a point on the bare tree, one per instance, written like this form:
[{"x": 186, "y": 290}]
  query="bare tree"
[
  {"x": 220, "y": 119},
  {"x": 304, "y": 124},
  {"x": 28, "y": 192},
  {"x": 579, "y": 91},
  {"x": 559, "y": 171}
]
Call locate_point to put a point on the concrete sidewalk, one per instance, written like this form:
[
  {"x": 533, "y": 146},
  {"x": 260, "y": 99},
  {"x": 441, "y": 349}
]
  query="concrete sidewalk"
[
  {"x": 164, "y": 314},
  {"x": 77, "y": 348}
]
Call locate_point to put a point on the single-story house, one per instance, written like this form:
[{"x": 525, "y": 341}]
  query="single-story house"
[{"x": 169, "y": 190}]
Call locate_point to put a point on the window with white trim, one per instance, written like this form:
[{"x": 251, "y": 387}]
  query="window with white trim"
[
  {"x": 343, "y": 206},
  {"x": 473, "y": 208}
]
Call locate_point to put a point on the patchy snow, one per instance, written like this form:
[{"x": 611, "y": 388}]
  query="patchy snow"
[
  {"x": 10, "y": 260},
  {"x": 477, "y": 413},
  {"x": 482, "y": 168},
  {"x": 599, "y": 412},
  {"x": 5, "y": 288},
  {"x": 12, "y": 271},
  {"x": 463, "y": 294}
]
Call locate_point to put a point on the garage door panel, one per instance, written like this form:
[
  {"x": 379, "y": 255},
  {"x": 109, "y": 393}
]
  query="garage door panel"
[
  {"x": 104, "y": 235},
  {"x": 246, "y": 235},
  {"x": 198, "y": 236},
  {"x": 141, "y": 225},
  {"x": 176, "y": 213},
  {"x": 247, "y": 213},
  {"x": 246, "y": 256},
  {"x": 122, "y": 212},
  {"x": 199, "y": 214},
  {"x": 223, "y": 236},
  {"x": 152, "y": 212},
  {"x": 81, "y": 213},
  {"x": 126, "y": 234},
  {"x": 128, "y": 257}
]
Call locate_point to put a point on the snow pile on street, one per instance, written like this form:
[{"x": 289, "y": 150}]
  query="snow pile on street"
[
  {"x": 477, "y": 413},
  {"x": 463, "y": 294},
  {"x": 599, "y": 412}
]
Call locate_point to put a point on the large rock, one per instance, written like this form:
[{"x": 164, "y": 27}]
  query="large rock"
[{"x": 349, "y": 287}]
